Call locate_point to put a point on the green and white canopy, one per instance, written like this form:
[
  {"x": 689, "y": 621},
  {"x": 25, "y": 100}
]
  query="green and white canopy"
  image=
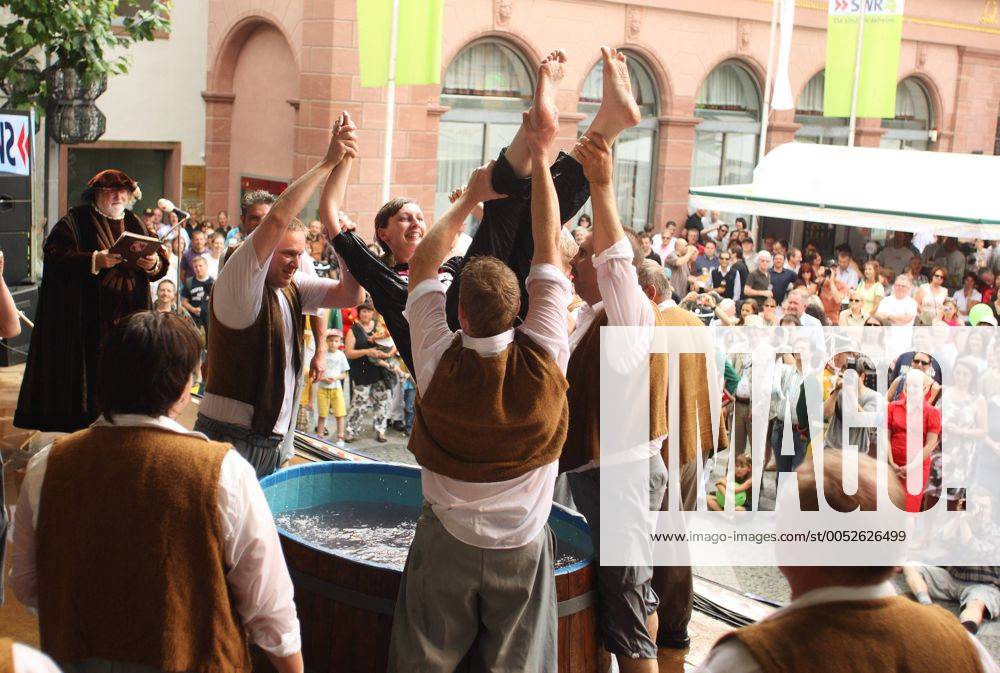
[{"x": 935, "y": 192}]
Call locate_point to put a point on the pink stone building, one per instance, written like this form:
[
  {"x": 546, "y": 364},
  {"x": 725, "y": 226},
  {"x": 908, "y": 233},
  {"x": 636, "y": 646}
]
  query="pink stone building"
[{"x": 279, "y": 72}]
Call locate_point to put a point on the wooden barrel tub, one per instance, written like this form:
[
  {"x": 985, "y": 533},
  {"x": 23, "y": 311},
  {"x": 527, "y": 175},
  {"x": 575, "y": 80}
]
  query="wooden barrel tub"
[{"x": 345, "y": 605}]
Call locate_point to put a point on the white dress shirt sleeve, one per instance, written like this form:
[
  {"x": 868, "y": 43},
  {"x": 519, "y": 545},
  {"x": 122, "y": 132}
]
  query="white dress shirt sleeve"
[
  {"x": 731, "y": 656},
  {"x": 23, "y": 576},
  {"x": 549, "y": 294},
  {"x": 257, "y": 574},
  {"x": 430, "y": 335},
  {"x": 618, "y": 281}
]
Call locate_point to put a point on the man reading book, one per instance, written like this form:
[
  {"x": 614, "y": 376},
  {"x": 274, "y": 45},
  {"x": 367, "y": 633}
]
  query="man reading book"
[{"x": 86, "y": 290}]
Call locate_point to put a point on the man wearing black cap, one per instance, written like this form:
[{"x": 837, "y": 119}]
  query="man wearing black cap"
[{"x": 85, "y": 291}]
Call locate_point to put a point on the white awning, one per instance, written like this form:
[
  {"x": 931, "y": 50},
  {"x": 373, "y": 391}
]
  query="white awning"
[{"x": 936, "y": 192}]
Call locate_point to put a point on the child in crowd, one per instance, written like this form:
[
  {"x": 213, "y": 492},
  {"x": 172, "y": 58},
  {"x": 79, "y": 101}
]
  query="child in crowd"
[
  {"x": 741, "y": 494},
  {"x": 330, "y": 392},
  {"x": 194, "y": 298}
]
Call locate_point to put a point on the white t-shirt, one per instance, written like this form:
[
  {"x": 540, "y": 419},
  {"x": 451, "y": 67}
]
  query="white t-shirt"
[
  {"x": 893, "y": 308},
  {"x": 336, "y": 363},
  {"x": 962, "y": 302},
  {"x": 238, "y": 297}
]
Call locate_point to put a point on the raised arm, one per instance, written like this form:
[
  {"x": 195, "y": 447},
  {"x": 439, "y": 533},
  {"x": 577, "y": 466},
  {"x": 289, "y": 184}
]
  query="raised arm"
[
  {"x": 595, "y": 155},
  {"x": 440, "y": 239},
  {"x": 546, "y": 228},
  {"x": 291, "y": 202},
  {"x": 332, "y": 197}
]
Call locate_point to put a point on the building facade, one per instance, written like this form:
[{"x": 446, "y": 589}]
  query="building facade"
[
  {"x": 280, "y": 71},
  {"x": 155, "y": 120}
]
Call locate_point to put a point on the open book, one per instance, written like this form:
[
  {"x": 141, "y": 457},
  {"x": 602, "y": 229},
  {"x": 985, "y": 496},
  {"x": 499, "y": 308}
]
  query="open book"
[{"x": 133, "y": 246}]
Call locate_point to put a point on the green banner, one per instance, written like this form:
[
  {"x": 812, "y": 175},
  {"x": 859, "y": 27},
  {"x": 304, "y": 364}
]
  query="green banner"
[
  {"x": 418, "y": 44},
  {"x": 879, "y": 57}
]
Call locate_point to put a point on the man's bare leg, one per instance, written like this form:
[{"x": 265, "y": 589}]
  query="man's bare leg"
[
  {"x": 618, "y": 110},
  {"x": 543, "y": 111}
]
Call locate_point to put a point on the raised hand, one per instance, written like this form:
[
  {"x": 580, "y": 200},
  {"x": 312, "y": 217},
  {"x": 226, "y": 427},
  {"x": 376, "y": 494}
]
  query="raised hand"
[
  {"x": 343, "y": 141},
  {"x": 594, "y": 155},
  {"x": 480, "y": 187},
  {"x": 538, "y": 133}
]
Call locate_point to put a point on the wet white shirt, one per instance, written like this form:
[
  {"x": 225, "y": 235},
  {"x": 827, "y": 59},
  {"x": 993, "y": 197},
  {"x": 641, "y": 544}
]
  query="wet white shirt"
[
  {"x": 733, "y": 657},
  {"x": 624, "y": 302},
  {"x": 238, "y": 296},
  {"x": 257, "y": 575},
  {"x": 505, "y": 514}
]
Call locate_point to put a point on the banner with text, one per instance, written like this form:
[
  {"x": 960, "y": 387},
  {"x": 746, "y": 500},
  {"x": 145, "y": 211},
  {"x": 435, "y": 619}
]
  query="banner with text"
[{"x": 879, "y": 57}]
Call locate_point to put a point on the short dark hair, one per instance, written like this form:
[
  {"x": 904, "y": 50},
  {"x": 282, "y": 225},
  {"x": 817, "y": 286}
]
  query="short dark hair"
[
  {"x": 162, "y": 347},
  {"x": 390, "y": 208},
  {"x": 254, "y": 197}
]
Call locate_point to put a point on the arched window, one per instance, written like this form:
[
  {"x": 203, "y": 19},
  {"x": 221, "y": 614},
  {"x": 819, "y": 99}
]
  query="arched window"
[
  {"x": 487, "y": 87},
  {"x": 816, "y": 128},
  {"x": 910, "y": 128},
  {"x": 725, "y": 148},
  {"x": 635, "y": 150}
]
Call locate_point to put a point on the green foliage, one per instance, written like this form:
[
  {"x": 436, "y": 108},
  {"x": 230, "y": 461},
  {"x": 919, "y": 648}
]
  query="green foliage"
[{"x": 88, "y": 36}]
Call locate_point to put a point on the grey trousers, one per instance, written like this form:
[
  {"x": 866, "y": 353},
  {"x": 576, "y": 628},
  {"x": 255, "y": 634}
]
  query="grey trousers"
[
  {"x": 499, "y": 603},
  {"x": 625, "y": 594},
  {"x": 264, "y": 453}
]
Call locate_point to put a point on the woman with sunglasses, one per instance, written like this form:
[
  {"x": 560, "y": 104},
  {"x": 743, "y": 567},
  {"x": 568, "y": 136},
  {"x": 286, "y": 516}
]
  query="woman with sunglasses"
[
  {"x": 934, "y": 292},
  {"x": 950, "y": 314},
  {"x": 853, "y": 315},
  {"x": 917, "y": 384}
]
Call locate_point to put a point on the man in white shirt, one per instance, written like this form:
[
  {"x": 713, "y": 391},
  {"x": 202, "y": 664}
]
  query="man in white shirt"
[
  {"x": 479, "y": 574},
  {"x": 604, "y": 276},
  {"x": 899, "y": 308},
  {"x": 848, "y": 604},
  {"x": 897, "y": 256},
  {"x": 97, "y": 597},
  {"x": 255, "y": 344}
]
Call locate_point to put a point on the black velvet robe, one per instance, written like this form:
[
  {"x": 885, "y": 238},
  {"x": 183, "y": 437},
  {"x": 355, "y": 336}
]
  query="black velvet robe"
[{"x": 75, "y": 311}]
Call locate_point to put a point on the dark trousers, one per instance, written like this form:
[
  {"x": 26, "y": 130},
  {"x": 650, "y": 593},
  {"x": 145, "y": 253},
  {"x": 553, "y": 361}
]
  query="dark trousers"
[
  {"x": 504, "y": 233},
  {"x": 675, "y": 584},
  {"x": 787, "y": 463}
]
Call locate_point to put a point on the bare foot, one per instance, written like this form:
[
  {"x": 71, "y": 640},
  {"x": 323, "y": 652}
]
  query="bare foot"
[
  {"x": 618, "y": 109},
  {"x": 543, "y": 107}
]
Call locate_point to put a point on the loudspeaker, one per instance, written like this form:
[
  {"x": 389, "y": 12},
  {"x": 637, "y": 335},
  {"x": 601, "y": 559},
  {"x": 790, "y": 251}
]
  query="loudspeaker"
[
  {"x": 16, "y": 246},
  {"x": 15, "y": 201},
  {"x": 15, "y": 351}
]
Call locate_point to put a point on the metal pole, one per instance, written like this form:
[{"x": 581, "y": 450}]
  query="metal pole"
[
  {"x": 390, "y": 103},
  {"x": 765, "y": 108},
  {"x": 857, "y": 76}
]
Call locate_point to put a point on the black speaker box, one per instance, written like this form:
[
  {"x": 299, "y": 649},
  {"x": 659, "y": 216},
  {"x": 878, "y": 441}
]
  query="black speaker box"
[
  {"x": 16, "y": 246},
  {"x": 15, "y": 351}
]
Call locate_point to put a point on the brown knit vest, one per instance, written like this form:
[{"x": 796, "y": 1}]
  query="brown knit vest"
[
  {"x": 873, "y": 636},
  {"x": 6, "y": 655},
  {"x": 130, "y": 553},
  {"x": 490, "y": 419},
  {"x": 583, "y": 439},
  {"x": 248, "y": 365}
]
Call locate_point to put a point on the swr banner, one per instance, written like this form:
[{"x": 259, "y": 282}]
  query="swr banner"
[{"x": 15, "y": 144}]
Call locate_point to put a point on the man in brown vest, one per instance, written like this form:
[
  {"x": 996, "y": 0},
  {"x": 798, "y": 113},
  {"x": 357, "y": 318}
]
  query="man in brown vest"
[
  {"x": 674, "y": 584},
  {"x": 144, "y": 546},
  {"x": 604, "y": 276},
  {"x": 849, "y": 619},
  {"x": 489, "y": 429},
  {"x": 255, "y": 343}
]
